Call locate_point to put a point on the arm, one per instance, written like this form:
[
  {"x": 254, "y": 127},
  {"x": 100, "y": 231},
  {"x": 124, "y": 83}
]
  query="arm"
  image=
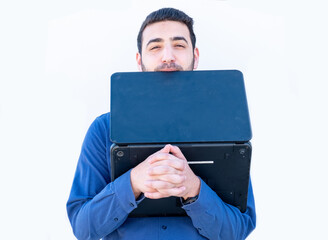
[
  {"x": 212, "y": 217},
  {"x": 96, "y": 206},
  {"x": 216, "y": 219}
]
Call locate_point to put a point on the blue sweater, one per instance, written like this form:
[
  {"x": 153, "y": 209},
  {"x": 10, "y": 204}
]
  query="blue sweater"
[{"x": 98, "y": 208}]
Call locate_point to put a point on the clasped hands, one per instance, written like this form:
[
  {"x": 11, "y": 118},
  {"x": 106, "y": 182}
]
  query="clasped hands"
[{"x": 163, "y": 174}]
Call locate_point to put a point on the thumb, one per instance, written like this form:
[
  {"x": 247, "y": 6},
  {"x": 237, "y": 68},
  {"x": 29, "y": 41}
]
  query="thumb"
[
  {"x": 177, "y": 152},
  {"x": 166, "y": 149}
]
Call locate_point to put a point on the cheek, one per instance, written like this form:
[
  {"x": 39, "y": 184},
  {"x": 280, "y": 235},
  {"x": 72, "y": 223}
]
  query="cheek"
[
  {"x": 186, "y": 59},
  {"x": 147, "y": 61},
  {"x": 151, "y": 59}
]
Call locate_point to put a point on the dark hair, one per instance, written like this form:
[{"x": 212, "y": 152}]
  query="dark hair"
[{"x": 167, "y": 14}]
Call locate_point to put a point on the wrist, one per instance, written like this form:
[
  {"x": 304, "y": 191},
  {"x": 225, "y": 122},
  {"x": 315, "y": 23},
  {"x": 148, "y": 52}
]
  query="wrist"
[
  {"x": 195, "y": 189},
  {"x": 135, "y": 190}
]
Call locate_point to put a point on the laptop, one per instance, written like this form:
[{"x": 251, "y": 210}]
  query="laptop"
[{"x": 205, "y": 113}]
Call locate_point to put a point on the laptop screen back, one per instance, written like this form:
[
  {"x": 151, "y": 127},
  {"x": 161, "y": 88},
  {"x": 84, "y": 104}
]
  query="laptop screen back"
[{"x": 179, "y": 107}]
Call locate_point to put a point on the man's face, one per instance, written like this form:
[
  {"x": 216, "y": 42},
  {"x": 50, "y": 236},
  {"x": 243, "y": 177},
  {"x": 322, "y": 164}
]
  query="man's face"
[{"x": 166, "y": 46}]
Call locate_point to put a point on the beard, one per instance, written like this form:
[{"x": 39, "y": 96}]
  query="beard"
[{"x": 172, "y": 65}]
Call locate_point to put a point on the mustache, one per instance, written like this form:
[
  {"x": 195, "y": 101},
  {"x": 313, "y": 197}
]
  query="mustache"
[{"x": 169, "y": 65}]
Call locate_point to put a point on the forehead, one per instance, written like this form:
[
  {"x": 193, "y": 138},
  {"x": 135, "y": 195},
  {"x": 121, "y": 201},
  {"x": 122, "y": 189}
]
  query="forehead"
[{"x": 165, "y": 30}]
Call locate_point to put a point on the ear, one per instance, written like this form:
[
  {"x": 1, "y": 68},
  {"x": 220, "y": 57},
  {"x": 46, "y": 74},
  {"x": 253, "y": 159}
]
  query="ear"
[
  {"x": 138, "y": 59},
  {"x": 196, "y": 57}
]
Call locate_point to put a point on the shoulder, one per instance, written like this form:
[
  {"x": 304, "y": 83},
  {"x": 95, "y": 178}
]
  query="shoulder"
[
  {"x": 103, "y": 119},
  {"x": 101, "y": 123},
  {"x": 99, "y": 129}
]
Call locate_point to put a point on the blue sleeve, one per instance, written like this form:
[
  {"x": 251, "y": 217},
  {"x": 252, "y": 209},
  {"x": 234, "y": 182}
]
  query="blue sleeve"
[
  {"x": 96, "y": 206},
  {"x": 215, "y": 219}
]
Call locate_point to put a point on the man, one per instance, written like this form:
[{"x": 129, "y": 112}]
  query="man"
[{"x": 98, "y": 208}]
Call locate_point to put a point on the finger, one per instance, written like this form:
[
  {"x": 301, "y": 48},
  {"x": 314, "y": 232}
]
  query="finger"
[
  {"x": 155, "y": 195},
  {"x": 150, "y": 189},
  {"x": 163, "y": 169},
  {"x": 178, "y": 191},
  {"x": 177, "y": 152},
  {"x": 166, "y": 193},
  {"x": 167, "y": 167},
  {"x": 161, "y": 156},
  {"x": 172, "y": 178},
  {"x": 159, "y": 185},
  {"x": 158, "y": 156},
  {"x": 165, "y": 149}
]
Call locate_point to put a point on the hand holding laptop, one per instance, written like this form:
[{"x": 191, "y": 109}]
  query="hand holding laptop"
[{"x": 163, "y": 174}]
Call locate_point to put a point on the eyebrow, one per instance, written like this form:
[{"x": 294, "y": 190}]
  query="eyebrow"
[
  {"x": 156, "y": 40},
  {"x": 178, "y": 39}
]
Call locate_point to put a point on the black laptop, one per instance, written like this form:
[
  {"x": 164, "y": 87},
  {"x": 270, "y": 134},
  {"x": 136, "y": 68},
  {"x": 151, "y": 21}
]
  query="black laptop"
[{"x": 204, "y": 113}]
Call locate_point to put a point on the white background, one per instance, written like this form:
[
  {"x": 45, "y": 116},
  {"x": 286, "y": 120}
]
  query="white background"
[{"x": 56, "y": 58}]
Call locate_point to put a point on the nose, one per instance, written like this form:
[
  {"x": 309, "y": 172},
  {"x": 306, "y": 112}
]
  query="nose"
[{"x": 168, "y": 55}]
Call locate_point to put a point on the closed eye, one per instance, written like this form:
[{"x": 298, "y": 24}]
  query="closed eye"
[{"x": 154, "y": 47}]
